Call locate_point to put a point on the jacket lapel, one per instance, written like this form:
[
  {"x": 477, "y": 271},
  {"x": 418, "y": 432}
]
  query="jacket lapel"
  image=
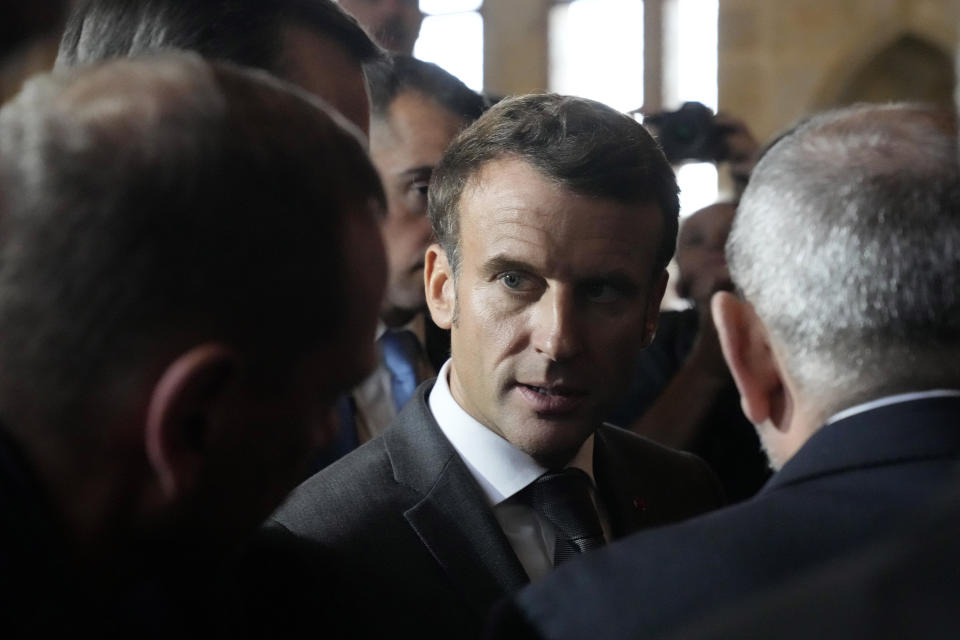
[
  {"x": 451, "y": 519},
  {"x": 620, "y": 486}
]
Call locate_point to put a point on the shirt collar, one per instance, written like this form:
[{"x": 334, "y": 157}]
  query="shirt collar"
[
  {"x": 894, "y": 399},
  {"x": 499, "y": 468}
]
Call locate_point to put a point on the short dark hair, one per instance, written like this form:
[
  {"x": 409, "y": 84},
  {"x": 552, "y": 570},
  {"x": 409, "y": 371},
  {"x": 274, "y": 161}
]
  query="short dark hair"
[
  {"x": 396, "y": 74},
  {"x": 583, "y": 145},
  {"x": 150, "y": 205},
  {"x": 244, "y": 32}
]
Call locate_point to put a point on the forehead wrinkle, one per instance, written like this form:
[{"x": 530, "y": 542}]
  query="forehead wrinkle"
[{"x": 544, "y": 214}]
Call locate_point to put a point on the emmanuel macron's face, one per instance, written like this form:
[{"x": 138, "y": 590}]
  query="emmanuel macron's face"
[{"x": 555, "y": 297}]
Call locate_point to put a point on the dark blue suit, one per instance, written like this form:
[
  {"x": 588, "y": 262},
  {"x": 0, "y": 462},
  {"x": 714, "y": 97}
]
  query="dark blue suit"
[{"x": 850, "y": 483}]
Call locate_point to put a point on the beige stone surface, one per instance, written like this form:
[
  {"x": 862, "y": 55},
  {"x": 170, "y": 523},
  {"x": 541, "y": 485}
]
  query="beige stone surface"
[
  {"x": 780, "y": 60},
  {"x": 516, "y": 49}
]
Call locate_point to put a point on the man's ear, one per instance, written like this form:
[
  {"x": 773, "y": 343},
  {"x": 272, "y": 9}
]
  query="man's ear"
[
  {"x": 439, "y": 283},
  {"x": 751, "y": 360},
  {"x": 652, "y": 314},
  {"x": 183, "y": 408}
]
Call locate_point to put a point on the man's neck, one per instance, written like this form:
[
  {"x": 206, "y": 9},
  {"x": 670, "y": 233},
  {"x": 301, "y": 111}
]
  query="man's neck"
[{"x": 395, "y": 318}]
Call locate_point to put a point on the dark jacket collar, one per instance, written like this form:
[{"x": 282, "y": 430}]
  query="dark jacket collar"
[
  {"x": 913, "y": 430},
  {"x": 450, "y": 518}
]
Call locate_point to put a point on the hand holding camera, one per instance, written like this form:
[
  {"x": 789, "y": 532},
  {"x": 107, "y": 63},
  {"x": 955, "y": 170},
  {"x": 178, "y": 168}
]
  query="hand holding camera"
[{"x": 693, "y": 133}]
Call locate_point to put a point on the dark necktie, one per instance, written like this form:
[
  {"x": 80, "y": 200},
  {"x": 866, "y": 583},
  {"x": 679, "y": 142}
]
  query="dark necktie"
[
  {"x": 400, "y": 352},
  {"x": 563, "y": 498}
]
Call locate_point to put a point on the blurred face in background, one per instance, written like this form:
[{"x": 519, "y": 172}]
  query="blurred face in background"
[
  {"x": 404, "y": 147},
  {"x": 701, "y": 257},
  {"x": 394, "y": 24},
  {"x": 339, "y": 80}
]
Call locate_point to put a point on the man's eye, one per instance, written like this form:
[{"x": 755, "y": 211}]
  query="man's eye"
[
  {"x": 416, "y": 196},
  {"x": 602, "y": 293},
  {"x": 515, "y": 281}
]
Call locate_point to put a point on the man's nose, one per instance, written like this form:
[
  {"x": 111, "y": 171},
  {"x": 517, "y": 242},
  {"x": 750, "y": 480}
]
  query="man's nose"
[{"x": 556, "y": 327}]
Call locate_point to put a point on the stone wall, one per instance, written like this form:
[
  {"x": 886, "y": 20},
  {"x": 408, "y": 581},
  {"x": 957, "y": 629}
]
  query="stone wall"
[{"x": 779, "y": 60}]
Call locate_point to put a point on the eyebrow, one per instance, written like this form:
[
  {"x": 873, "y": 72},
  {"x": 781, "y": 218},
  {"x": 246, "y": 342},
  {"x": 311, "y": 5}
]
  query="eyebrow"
[
  {"x": 416, "y": 171},
  {"x": 501, "y": 263}
]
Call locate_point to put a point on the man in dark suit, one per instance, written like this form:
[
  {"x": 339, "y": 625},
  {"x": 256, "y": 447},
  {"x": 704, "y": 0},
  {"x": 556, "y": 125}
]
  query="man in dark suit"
[
  {"x": 844, "y": 346},
  {"x": 903, "y": 586},
  {"x": 555, "y": 218},
  {"x": 164, "y": 378}
]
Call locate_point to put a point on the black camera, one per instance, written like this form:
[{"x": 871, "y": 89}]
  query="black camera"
[{"x": 689, "y": 133}]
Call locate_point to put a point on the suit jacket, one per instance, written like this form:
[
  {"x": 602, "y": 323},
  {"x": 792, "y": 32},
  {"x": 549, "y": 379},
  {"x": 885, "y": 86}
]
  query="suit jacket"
[
  {"x": 852, "y": 481},
  {"x": 905, "y": 586},
  {"x": 48, "y": 590},
  {"x": 402, "y": 518}
]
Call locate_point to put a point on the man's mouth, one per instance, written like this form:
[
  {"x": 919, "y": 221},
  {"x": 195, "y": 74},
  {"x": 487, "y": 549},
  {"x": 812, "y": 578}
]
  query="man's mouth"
[{"x": 551, "y": 398}]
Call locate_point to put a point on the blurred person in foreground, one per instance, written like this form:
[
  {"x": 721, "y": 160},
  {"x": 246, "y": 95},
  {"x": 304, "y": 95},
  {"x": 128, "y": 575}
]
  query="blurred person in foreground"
[
  {"x": 394, "y": 24},
  {"x": 311, "y": 43},
  {"x": 844, "y": 342},
  {"x": 172, "y": 237}
]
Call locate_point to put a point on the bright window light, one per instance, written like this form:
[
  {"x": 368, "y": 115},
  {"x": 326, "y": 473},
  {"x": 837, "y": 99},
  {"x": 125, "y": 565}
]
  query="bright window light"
[
  {"x": 436, "y": 7},
  {"x": 698, "y": 186},
  {"x": 452, "y": 37},
  {"x": 695, "y": 52},
  {"x": 691, "y": 74},
  {"x": 596, "y": 51}
]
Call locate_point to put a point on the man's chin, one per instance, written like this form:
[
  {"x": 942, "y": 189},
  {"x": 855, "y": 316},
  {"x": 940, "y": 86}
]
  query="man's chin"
[
  {"x": 554, "y": 457},
  {"x": 560, "y": 438}
]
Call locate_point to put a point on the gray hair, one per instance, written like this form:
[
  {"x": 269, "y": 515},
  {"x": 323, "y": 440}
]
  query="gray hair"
[
  {"x": 147, "y": 205},
  {"x": 847, "y": 243}
]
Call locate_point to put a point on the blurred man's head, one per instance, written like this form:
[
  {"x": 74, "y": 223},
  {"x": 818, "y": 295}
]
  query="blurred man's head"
[
  {"x": 394, "y": 24},
  {"x": 555, "y": 218},
  {"x": 312, "y": 43},
  {"x": 845, "y": 250},
  {"x": 173, "y": 237},
  {"x": 417, "y": 108}
]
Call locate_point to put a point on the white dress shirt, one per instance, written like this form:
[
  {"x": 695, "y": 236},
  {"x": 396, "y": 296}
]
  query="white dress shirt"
[
  {"x": 503, "y": 471},
  {"x": 895, "y": 399}
]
